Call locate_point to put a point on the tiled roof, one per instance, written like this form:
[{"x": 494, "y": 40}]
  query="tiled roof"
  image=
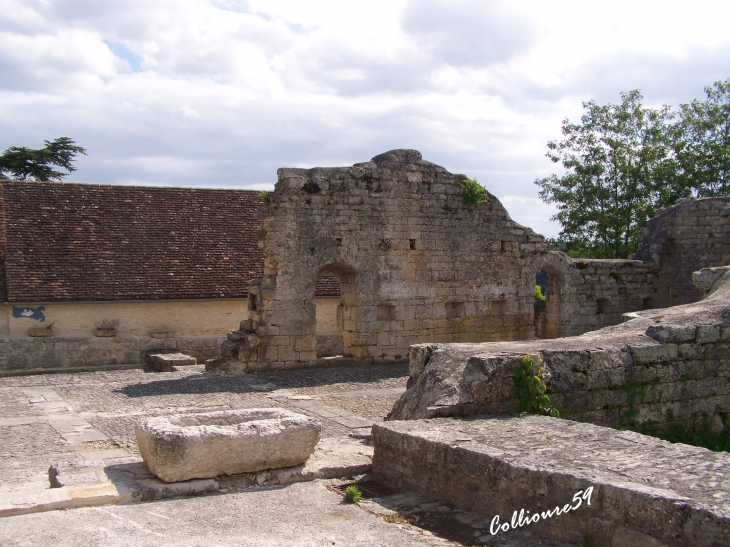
[
  {"x": 84, "y": 242},
  {"x": 71, "y": 242}
]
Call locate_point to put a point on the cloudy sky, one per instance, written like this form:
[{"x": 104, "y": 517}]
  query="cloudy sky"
[{"x": 220, "y": 93}]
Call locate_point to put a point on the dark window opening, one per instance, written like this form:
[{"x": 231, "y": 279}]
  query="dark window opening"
[
  {"x": 454, "y": 310},
  {"x": 601, "y": 306},
  {"x": 503, "y": 247},
  {"x": 385, "y": 312},
  {"x": 412, "y": 244},
  {"x": 648, "y": 304},
  {"x": 252, "y": 302}
]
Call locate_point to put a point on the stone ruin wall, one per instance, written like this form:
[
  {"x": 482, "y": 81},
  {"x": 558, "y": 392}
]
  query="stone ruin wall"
[
  {"x": 691, "y": 235},
  {"x": 664, "y": 366},
  {"x": 415, "y": 265}
]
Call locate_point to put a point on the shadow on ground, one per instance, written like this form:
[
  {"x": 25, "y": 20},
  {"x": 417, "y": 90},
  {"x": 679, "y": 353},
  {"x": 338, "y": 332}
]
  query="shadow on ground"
[{"x": 259, "y": 382}]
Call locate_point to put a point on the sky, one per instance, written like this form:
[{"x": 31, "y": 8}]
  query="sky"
[{"x": 221, "y": 93}]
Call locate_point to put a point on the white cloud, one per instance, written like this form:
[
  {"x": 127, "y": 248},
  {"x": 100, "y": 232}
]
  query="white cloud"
[{"x": 223, "y": 92}]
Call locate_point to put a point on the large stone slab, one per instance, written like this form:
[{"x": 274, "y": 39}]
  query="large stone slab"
[
  {"x": 204, "y": 445},
  {"x": 645, "y": 492}
]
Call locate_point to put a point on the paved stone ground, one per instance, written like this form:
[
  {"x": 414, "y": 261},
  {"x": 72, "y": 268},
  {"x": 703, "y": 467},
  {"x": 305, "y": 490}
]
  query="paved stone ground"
[{"x": 84, "y": 423}]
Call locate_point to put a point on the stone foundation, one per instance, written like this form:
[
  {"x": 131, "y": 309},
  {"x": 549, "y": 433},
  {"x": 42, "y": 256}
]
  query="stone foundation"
[{"x": 646, "y": 492}]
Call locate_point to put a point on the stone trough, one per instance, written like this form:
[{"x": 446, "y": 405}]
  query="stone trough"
[{"x": 205, "y": 445}]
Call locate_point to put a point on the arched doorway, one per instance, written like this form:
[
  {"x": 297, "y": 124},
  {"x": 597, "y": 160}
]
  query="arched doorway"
[{"x": 336, "y": 311}]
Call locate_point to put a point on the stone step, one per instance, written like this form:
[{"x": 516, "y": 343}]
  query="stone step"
[{"x": 642, "y": 491}]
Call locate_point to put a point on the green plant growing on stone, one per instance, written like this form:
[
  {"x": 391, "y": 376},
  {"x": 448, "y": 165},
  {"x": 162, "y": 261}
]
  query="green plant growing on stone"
[
  {"x": 530, "y": 389},
  {"x": 472, "y": 193},
  {"x": 538, "y": 293},
  {"x": 265, "y": 196},
  {"x": 352, "y": 494}
]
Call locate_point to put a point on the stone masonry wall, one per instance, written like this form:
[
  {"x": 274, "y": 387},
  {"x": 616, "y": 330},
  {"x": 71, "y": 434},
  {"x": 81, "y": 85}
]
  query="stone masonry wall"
[
  {"x": 21, "y": 354},
  {"x": 664, "y": 366},
  {"x": 415, "y": 265},
  {"x": 693, "y": 234}
]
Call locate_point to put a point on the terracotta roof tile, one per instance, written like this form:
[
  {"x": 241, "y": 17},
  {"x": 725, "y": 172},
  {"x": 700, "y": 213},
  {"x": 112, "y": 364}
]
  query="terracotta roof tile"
[
  {"x": 82, "y": 242},
  {"x": 71, "y": 242}
]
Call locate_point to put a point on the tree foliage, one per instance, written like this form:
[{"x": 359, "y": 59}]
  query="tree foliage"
[
  {"x": 623, "y": 162},
  {"x": 20, "y": 163},
  {"x": 703, "y": 142}
]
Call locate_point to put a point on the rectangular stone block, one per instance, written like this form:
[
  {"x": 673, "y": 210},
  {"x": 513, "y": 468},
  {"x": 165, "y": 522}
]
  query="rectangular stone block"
[
  {"x": 204, "y": 445},
  {"x": 163, "y": 362},
  {"x": 643, "y": 491}
]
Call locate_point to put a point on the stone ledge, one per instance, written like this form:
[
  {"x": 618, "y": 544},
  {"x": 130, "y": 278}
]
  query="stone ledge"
[{"x": 650, "y": 490}]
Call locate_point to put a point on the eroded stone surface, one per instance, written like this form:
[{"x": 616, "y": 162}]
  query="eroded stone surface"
[
  {"x": 204, "y": 445},
  {"x": 645, "y": 491}
]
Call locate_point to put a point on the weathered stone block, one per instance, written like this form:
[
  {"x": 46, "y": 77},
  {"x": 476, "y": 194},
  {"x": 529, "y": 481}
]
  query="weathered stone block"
[
  {"x": 187, "y": 446},
  {"x": 164, "y": 362},
  {"x": 671, "y": 333},
  {"x": 644, "y": 492},
  {"x": 654, "y": 354},
  {"x": 708, "y": 333}
]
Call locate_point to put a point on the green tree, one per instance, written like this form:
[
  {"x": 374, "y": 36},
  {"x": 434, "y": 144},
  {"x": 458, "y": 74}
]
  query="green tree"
[
  {"x": 20, "y": 163},
  {"x": 702, "y": 142},
  {"x": 619, "y": 167}
]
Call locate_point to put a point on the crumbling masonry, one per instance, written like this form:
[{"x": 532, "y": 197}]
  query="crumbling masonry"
[{"x": 416, "y": 265}]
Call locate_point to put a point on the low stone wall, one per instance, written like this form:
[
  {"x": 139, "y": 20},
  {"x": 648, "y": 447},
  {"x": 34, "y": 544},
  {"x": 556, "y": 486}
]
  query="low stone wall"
[
  {"x": 20, "y": 354},
  {"x": 645, "y": 492},
  {"x": 665, "y": 366}
]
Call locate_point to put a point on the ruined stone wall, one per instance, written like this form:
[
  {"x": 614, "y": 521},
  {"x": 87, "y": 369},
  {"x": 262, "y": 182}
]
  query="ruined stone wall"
[
  {"x": 693, "y": 234},
  {"x": 585, "y": 295},
  {"x": 22, "y": 354},
  {"x": 415, "y": 264},
  {"x": 666, "y": 366}
]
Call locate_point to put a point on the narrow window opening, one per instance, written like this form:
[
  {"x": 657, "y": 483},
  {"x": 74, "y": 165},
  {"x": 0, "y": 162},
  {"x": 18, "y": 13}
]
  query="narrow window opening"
[
  {"x": 252, "y": 302},
  {"x": 503, "y": 247},
  {"x": 601, "y": 306},
  {"x": 412, "y": 244},
  {"x": 648, "y": 304}
]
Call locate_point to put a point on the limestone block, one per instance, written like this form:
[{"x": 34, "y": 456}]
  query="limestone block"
[
  {"x": 654, "y": 354},
  {"x": 671, "y": 333},
  {"x": 708, "y": 333},
  {"x": 204, "y": 445},
  {"x": 229, "y": 349},
  {"x": 163, "y": 362}
]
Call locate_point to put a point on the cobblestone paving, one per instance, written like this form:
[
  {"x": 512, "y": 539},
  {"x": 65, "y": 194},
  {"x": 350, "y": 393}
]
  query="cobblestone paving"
[
  {"x": 56, "y": 418},
  {"x": 85, "y": 421}
]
